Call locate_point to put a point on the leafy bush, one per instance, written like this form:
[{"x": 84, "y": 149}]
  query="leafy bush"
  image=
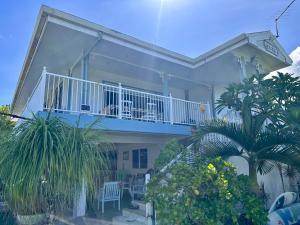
[{"x": 207, "y": 193}]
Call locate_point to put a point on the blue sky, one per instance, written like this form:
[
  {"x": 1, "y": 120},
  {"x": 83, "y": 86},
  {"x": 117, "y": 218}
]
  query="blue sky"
[{"x": 190, "y": 27}]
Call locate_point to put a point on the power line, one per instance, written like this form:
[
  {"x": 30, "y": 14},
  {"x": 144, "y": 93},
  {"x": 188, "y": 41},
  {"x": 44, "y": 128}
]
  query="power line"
[
  {"x": 14, "y": 116},
  {"x": 276, "y": 20}
]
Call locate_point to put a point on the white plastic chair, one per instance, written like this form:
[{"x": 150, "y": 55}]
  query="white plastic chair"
[
  {"x": 151, "y": 112},
  {"x": 127, "y": 109},
  {"x": 110, "y": 192}
]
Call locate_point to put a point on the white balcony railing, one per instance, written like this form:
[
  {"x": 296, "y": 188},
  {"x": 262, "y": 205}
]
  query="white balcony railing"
[{"x": 67, "y": 94}]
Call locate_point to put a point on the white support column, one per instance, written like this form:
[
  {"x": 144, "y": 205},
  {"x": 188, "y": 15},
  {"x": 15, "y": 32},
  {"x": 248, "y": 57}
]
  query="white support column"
[
  {"x": 80, "y": 202},
  {"x": 42, "y": 87},
  {"x": 120, "y": 102},
  {"x": 166, "y": 92},
  {"x": 165, "y": 81},
  {"x": 85, "y": 88},
  {"x": 149, "y": 210},
  {"x": 243, "y": 72},
  {"x": 259, "y": 68},
  {"x": 213, "y": 109},
  {"x": 209, "y": 116}
]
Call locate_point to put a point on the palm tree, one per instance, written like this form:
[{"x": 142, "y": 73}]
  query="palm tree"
[
  {"x": 251, "y": 140},
  {"x": 47, "y": 161},
  {"x": 6, "y": 125}
]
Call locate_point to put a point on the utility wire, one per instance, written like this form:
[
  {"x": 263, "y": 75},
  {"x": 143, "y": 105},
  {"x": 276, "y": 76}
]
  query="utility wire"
[
  {"x": 276, "y": 20},
  {"x": 14, "y": 116}
]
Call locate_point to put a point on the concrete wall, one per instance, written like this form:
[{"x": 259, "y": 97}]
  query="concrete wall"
[
  {"x": 153, "y": 152},
  {"x": 272, "y": 181}
]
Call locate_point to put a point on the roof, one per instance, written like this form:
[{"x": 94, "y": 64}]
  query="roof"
[{"x": 47, "y": 13}]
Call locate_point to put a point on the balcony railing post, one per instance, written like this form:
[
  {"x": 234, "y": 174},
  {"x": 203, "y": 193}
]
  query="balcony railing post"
[
  {"x": 171, "y": 109},
  {"x": 120, "y": 102},
  {"x": 42, "y": 87}
]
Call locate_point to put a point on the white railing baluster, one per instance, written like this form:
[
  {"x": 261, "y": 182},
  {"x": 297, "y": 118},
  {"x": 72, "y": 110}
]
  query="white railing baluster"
[
  {"x": 171, "y": 109},
  {"x": 77, "y": 104},
  {"x": 72, "y": 97},
  {"x": 120, "y": 102},
  {"x": 109, "y": 100},
  {"x": 48, "y": 90}
]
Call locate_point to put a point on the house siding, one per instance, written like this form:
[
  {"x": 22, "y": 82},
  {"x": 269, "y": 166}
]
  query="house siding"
[{"x": 153, "y": 151}]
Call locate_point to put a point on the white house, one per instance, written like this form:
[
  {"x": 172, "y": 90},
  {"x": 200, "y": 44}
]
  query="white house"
[{"x": 143, "y": 93}]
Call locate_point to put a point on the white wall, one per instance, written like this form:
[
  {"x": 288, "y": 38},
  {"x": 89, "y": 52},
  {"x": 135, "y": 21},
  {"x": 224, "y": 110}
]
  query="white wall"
[
  {"x": 137, "y": 83},
  {"x": 200, "y": 94},
  {"x": 272, "y": 181},
  {"x": 153, "y": 152}
]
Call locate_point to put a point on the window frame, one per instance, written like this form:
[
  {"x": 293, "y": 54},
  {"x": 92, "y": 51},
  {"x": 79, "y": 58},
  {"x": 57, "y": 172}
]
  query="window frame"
[{"x": 141, "y": 164}]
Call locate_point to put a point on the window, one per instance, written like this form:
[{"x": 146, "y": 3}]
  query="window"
[{"x": 140, "y": 158}]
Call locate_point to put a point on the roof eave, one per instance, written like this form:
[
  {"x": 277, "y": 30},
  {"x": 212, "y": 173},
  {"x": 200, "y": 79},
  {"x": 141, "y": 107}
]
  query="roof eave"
[{"x": 40, "y": 22}]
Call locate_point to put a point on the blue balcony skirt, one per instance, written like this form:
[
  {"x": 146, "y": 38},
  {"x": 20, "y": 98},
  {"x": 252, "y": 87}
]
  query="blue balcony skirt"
[{"x": 121, "y": 125}]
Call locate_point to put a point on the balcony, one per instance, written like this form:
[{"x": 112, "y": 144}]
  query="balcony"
[{"x": 63, "y": 94}]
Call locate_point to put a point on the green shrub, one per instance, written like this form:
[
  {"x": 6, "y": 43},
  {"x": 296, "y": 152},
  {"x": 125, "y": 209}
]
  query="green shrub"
[{"x": 207, "y": 193}]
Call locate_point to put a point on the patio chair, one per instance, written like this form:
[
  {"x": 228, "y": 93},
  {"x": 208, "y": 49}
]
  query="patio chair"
[
  {"x": 138, "y": 187},
  {"x": 125, "y": 180},
  {"x": 151, "y": 112},
  {"x": 111, "y": 192},
  {"x": 127, "y": 109}
]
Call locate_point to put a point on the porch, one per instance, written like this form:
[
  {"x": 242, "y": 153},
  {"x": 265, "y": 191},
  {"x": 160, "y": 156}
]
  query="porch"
[
  {"x": 111, "y": 216},
  {"x": 69, "y": 95},
  {"x": 130, "y": 168}
]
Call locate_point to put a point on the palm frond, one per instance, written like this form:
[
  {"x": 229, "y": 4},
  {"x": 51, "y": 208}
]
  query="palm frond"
[
  {"x": 282, "y": 154},
  {"x": 265, "y": 166},
  {"x": 290, "y": 172},
  {"x": 270, "y": 141},
  {"x": 232, "y": 131},
  {"x": 218, "y": 148}
]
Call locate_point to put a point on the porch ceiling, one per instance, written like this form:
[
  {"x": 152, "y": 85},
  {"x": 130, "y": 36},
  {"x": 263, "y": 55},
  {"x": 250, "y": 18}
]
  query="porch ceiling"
[{"x": 60, "y": 47}]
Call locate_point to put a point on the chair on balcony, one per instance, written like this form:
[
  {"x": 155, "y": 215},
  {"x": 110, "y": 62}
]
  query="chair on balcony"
[
  {"x": 151, "y": 112},
  {"x": 111, "y": 192},
  {"x": 127, "y": 109}
]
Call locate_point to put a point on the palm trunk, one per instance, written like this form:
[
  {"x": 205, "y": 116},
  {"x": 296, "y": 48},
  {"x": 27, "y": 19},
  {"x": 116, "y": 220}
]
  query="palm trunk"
[{"x": 253, "y": 177}]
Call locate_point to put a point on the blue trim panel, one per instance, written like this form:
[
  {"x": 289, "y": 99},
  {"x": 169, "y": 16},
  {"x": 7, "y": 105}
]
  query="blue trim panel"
[{"x": 122, "y": 125}]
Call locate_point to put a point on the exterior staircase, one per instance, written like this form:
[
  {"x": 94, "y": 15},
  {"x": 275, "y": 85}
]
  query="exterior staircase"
[{"x": 138, "y": 216}]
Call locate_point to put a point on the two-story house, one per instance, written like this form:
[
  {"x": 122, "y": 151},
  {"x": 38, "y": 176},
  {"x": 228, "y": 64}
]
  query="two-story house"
[{"x": 143, "y": 93}]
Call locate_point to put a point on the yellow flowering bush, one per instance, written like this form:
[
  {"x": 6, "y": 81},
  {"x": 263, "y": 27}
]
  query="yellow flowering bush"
[{"x": 207, "y": 193}]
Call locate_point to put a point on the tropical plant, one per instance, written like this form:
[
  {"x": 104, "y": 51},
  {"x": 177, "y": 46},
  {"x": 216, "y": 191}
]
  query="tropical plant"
[
  {"x": 259, "y": 146},
  {"x": 277, "y": 97},
  {"x": 4, "y": 119},
  {"x": 47, "y": 162},
  {"x": 208, "y": 192},
  {"x": 6, "y": 125}
]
